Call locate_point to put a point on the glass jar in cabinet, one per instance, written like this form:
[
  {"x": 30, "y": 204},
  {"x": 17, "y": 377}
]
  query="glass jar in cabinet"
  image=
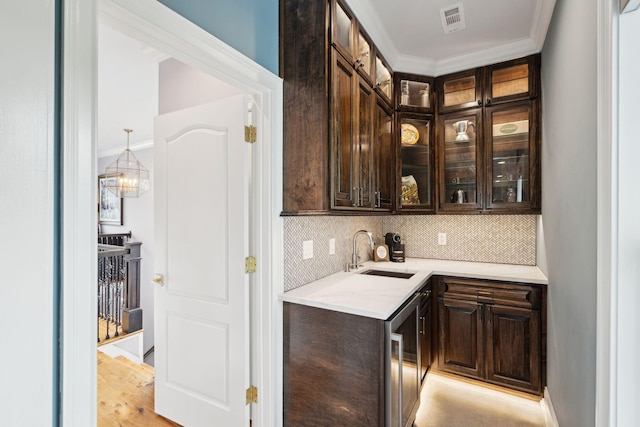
[
  {"x": 413, "y": 93},
  {"x": 416, "y": 163},
  {"x": 460, "y": 90},
  {"x": 384, "y": 79},
  {"x": 512, "y": 80},
  {"x": 512, "y": 157},
  {"x": 460, "y": 149}
]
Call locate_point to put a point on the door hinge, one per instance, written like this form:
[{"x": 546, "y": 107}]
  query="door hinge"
[
  {"x": 252, "y": 394},
  {"x": 250, "y": 264},
  {"x": 250, "y": 133}
]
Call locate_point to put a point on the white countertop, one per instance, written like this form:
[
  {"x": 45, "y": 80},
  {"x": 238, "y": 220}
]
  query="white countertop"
[{"x": 379, "y": 297}]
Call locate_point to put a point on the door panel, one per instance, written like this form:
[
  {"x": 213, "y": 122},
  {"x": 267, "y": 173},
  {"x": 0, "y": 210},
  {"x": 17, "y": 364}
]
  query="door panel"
[
  {"x": 513, "y": 346},
  {"x": 202, "y": 167},
  {"x": 461, "y": 337}
]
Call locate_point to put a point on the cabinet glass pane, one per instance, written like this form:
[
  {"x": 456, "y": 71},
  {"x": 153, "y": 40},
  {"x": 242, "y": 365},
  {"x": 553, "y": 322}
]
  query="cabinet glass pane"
[
  {"x": 383, "y": 78},
  {"x": 460, "y": 162},
  {"x": 414, "y": 94},
  {"x": 415, "y": 159},
  {"x": 364, "y": 51},
  {"x": 343, "y": 28},
  {"x": 510, "y": 147},
  {"x": 459, "y": 91},
  {"x": 510, "y": 81}
]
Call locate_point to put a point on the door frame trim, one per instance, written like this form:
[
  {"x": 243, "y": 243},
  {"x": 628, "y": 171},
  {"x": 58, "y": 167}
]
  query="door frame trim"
[{"x": 160, "y": 27}]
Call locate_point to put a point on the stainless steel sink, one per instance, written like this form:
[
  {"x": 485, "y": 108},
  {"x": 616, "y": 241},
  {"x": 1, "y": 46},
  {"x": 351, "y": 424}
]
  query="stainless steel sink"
[{"x": 387, "y": 273}]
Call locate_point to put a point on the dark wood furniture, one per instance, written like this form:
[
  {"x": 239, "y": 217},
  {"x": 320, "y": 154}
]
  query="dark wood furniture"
[
  {"x": 338, "y": 138},
  {"x": 333, "y": 368},
  {"x": 488, "y": 139},
  {"x": 344, "y": 146},
  {"x": 414, "y": 103},
  {"x": 493, "y": 331}
]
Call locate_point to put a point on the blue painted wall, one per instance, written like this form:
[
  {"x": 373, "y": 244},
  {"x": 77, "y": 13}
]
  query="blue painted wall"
[{"x": 249, "y": 26}]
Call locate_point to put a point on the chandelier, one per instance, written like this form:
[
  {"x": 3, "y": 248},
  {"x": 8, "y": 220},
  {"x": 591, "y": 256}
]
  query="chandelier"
[{"x": 131, "y": 177}]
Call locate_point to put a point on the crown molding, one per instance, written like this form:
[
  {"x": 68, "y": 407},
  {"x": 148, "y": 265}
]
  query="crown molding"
[
  {"x": 436, "y": 67},
  {"x": 541, "y": 21}
]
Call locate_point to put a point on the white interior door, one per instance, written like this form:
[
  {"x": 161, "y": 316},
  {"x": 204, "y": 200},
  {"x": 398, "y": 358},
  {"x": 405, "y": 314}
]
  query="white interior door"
[{"x": 202, "y": 171}]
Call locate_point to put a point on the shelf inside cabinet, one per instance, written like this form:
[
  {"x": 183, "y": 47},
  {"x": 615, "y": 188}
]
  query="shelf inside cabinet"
[
  {"x": 510, "y": 81},
  {"x": 459, "y": 91},
  {"x": 415, "y": 94}
]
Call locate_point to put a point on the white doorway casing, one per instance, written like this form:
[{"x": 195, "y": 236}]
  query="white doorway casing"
[{"x": 159, "y": 27}]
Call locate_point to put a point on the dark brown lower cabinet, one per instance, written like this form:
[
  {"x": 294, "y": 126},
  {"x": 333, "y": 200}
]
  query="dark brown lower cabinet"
[
  {"x": 492, "y": 331},
  {"x": 461, "y": 349},
  {"x": 513, "y": 346},
  {"x": 334, "y": 368}
]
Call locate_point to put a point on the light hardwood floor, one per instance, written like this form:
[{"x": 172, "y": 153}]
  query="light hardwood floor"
[
  {"x": 125, "y": 394},
  {"x": 449, "y": 402}
]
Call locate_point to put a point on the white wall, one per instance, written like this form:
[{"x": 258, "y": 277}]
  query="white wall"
[
  {"x": 569, "y": 145},
  {"x": 138, "y": 218},
  {"x": 626, "y": 306},
  {"x": 182, "y": 87},
  {"x": 26, "y": 221}
]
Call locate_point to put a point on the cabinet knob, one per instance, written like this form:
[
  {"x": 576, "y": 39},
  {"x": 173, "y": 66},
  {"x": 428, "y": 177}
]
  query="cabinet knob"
[
  {"x": 489, "y": 101},
  {"x": 480, "y": 102}
]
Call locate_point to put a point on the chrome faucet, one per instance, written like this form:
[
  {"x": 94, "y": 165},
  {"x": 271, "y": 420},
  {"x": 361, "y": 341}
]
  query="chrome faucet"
[{"x": 354, "y": 255}]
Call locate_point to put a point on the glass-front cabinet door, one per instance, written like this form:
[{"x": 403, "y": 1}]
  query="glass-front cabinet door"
[
  {"x": 512, "y": 80},
  {"x": 364, "y": 56},
  {"x": 343, "y": 26},
  {"x": 384, "y": 80},
  {"x": 460, "y": 90},
  {"x": 413, "y": 92},
  {"x": 511, "y": 135},
  {"x": 416, "y": 157},
  {"x": 460, "y": 161}
]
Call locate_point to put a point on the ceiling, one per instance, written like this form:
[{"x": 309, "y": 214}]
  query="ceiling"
[
  {"x": 409, "y": 34},
  {"x": 127, "y": 91}
]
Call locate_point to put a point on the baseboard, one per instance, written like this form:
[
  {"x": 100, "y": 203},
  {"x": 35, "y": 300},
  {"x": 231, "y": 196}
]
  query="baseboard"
[{"x": 549, "y": 413}]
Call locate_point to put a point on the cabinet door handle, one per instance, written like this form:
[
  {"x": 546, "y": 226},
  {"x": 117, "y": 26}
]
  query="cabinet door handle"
[
  {"x": 480, "y": 309},
  {"x": 489, "y": 314},
  {"x": 354, "y": 196},
  {"x": 378, "y": 200}
]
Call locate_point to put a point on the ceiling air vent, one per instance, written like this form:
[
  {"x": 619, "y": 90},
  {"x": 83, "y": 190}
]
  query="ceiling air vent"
[{"x": 452, "y": 18}]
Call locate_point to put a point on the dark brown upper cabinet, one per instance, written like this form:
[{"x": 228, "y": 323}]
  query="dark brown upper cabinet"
[
  {"x": 413, "y": 93},
  {"x": 348, "y": 38},
  {"x": 339, "y": 140},
  {"x": 384, "y": 79},
  {"x": 460, "y": 151},
  {"x": 489, "y": 155},
  {"x": 508, "y": 81},
  {"x": 512, "y": 153},
  {"x": 416, "y": 168},
  {"x": 512, "y": 80},
  {"x": 460, "y": 90}
]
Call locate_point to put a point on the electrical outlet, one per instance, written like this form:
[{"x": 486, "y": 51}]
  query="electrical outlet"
[
  {"x": 307, "y": 249},
  {"x": 332, "y": 246},
  {"x": 442, "y": 238}
]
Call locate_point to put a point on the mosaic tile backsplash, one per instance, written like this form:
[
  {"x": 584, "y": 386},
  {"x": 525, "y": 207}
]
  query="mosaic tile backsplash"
[
  {"x": 320, "y": 229},
  {"x": 503, "y": 239}
]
